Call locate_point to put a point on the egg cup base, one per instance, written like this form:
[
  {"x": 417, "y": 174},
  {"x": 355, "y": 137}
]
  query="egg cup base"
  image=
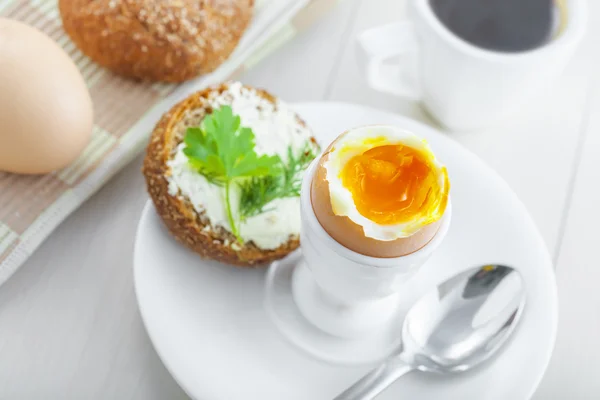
[{"x": 282, "y": 309}]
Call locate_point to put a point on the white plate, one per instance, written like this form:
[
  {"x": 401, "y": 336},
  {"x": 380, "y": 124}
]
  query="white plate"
[{"x": 208, "y": 324}]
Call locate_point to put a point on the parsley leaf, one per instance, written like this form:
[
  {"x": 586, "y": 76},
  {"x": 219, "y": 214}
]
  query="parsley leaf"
[{"x": 224, "y": 152}]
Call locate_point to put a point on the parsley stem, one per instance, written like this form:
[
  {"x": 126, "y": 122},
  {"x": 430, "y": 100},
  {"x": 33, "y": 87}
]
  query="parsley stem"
[{"x": 234, "y": 228}]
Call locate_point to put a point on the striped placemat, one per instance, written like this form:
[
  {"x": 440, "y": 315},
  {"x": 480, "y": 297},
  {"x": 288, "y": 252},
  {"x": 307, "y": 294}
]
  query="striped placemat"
[{"x": 31, "y": 207}]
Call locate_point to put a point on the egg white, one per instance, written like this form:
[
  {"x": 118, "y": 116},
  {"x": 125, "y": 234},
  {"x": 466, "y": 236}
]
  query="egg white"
[{"x": 356, "y": 142}]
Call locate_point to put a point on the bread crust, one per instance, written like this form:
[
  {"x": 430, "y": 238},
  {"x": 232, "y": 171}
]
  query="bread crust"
[
  {"x": 179, "y": 216},
  {"x": 156, "y": 40}
]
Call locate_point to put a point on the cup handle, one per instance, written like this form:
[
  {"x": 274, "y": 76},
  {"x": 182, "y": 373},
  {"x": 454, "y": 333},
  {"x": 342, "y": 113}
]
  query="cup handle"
[{"x": 377, "y": 46}]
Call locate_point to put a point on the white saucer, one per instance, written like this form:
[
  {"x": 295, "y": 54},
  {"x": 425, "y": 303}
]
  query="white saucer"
[{"x": 209, "y": 327}]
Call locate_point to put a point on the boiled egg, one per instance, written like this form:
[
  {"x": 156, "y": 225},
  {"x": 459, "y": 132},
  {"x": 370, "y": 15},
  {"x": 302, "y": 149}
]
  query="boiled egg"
[
  {"x": 380, "y": 191},
  {"x": 46, "y": 115}
]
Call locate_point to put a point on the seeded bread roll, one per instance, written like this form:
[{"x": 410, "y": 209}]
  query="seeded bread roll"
[
  {"x": 157, "y": 40},
  {"x": 185, "y": 223}
]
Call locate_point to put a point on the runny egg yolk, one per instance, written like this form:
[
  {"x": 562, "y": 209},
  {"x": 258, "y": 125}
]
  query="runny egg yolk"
[{"x": 391, "y": 184}]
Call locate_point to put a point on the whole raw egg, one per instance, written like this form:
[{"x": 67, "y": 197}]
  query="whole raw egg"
[
  {"x": 380, "y": 191},
  {"x": 46, "y": 115}
]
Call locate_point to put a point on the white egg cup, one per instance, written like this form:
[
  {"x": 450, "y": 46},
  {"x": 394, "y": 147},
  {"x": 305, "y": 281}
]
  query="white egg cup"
[{"x": 350, "y": 300}]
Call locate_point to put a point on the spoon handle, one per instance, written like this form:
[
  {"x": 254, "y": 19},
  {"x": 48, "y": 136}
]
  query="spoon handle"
[{"x": 376, "y": 381}]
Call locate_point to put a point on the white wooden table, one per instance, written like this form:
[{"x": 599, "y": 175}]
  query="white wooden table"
[{"x": 69, "y": 323}]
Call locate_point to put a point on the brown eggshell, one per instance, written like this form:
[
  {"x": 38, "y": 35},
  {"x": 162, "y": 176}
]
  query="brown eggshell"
[
  {"x": 46, "y": 112},
  {"x": 351, "y": 235}
]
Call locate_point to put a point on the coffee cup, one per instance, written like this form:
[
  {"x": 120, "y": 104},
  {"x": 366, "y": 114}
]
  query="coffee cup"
[{"x": 466, "y": 76}]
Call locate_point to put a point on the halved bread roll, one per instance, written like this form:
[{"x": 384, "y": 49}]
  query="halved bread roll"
[{"x": 186, "y": 213}]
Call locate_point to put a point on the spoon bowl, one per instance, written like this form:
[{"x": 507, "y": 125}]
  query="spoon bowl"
[{"x": 453, "y": 328}]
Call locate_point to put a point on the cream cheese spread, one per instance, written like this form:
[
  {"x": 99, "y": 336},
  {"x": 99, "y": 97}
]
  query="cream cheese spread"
[{"x": 276, "y": 128}]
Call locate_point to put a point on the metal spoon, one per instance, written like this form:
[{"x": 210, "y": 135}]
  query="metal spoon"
[{"x": 452, "y": 328}]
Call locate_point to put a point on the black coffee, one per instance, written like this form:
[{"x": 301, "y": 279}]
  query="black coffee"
[{"x": 501, "y": 25}]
